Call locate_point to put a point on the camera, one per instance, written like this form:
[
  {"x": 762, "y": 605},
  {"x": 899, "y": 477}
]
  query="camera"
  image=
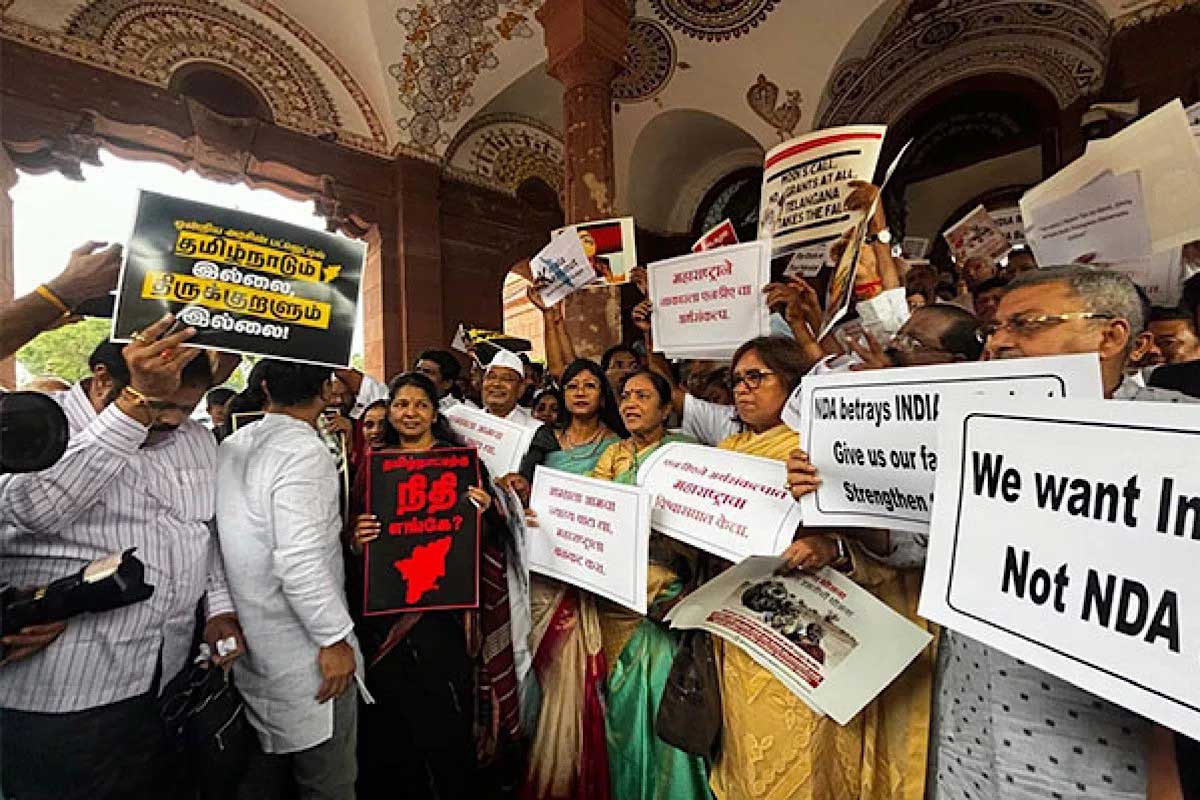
[
  {"x": 33, "y": 432},
  {"x": 112, "y": 582}
]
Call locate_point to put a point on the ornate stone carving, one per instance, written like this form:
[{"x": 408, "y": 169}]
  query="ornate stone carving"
[
  {"x": 505, "y": 150},
  {"x": 649, "y": 61},
  {"x": 763, "y": 98},
  {"x": 449, "y": 43},
  {"x": 714, "y": 20},
  {"x": 1062, "y": 45}
]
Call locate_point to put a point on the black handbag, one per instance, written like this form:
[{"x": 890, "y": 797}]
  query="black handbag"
[
  {"x": 689, "y": 712},
  {"x": 206, "y": 722}
]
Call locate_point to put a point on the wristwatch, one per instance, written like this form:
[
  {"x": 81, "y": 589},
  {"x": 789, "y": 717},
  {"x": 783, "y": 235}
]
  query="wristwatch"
[
  {"x": 883, "y": 237},
  {"x": 842, "y": 563}
]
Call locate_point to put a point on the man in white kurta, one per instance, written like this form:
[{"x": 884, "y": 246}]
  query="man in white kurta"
[{"x": 279, "y": 527}]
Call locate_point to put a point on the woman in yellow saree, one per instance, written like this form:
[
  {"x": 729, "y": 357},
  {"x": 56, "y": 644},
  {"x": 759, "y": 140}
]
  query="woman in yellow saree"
[
  {"x": 640, "y": 649},
  {"x": 773, "y": 746}
]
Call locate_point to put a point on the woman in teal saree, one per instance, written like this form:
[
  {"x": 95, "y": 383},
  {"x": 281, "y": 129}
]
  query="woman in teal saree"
[
  {"x": 568, "y": 757},
  {"x": 640, "y": 649}
]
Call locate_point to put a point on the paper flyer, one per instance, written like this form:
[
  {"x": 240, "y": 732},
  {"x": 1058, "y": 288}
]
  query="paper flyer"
[
  {"x": 609, "y": 244},
  {"x": 565, "y": 264},
  {"x": 829, "y": 641},
  {"x": 806, "y": 182}
]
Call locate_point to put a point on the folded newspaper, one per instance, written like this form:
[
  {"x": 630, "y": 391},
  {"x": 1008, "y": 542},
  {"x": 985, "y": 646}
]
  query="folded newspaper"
[{"x": 825, "y": 638}]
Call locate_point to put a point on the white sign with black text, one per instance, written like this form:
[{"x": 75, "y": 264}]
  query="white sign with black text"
[
  {"x": 873, "y": 434},
  {"x": 1066, "y": 534}
]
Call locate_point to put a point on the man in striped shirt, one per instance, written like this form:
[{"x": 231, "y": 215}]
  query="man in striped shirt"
[{"x": 80, "y": 718}]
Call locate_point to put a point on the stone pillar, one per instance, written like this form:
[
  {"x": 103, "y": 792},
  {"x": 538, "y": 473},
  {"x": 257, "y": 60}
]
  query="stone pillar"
[
  {"x": 419, "y": 240},
  {"x": 585, "y": 44},
  {"x": 8, "y": 179}
]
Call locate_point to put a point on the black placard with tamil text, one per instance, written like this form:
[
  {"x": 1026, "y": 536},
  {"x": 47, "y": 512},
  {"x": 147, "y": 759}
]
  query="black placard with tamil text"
[
  {"x": 427, "y": 553},
  {"x": 246, "y": 283}
]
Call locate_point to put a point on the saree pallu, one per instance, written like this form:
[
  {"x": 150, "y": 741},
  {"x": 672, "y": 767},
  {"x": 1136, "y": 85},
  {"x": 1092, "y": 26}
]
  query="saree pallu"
[
  {"x": 640, "y": 650},
  {"x": 568, "y": 759},
  {"x": 774, "y": 747}
]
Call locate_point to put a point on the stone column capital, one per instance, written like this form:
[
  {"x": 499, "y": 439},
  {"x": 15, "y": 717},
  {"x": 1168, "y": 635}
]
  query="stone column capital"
[{"x": 585, "y": 39}]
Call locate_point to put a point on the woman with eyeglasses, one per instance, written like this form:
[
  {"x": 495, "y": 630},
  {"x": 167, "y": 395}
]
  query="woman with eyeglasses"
[
  {"x": 772, "y": 744},
  {"x": 426, "y": 669},
  {"x": 639, "y": 650},
  {"x": 568, "y": 757}
]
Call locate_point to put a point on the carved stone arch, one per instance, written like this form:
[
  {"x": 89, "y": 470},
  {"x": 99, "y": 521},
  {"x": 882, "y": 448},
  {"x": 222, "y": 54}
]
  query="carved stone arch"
[
  {"x": 924, "y": 46},
  {"x": 152, "y": 40},
  {"x": 505, "y": 151}
]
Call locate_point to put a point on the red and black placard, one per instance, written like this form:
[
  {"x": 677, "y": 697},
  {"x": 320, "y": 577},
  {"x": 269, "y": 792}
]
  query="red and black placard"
[{"x": 427, "y": 553}]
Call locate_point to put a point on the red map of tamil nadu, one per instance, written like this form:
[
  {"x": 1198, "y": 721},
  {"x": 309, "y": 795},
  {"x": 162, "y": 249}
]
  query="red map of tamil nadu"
[{"x": 423, "y": 568}]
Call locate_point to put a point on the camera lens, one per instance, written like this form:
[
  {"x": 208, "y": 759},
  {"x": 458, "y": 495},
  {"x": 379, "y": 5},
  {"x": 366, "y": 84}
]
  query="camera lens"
[{"x": 33, "y": 432}]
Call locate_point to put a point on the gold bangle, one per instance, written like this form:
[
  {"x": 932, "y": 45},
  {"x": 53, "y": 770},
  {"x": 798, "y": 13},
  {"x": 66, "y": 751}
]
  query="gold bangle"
[
  {"x": 138, "y": 397},
  {"x": 50, "y": 297}
]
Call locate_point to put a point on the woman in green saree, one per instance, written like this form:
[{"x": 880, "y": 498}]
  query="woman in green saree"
[
  {"x": 567, "y": 756},
  {"x": 640, "y": 649}
]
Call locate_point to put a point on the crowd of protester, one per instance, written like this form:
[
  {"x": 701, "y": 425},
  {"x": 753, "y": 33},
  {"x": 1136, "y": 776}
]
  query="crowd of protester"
[{"x": 253, "y": 533}]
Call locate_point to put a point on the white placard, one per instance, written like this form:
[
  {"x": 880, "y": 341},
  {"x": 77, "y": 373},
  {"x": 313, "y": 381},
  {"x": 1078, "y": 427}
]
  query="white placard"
[
  {"x": 501, "y": 443},
  {"x": 1161, "y": 147},
  {"x": 806, "y": 182},
  {"x": 722, "y": 502},
  {"x": 1104, "y": 221},
  {"x": 873, "y": 435},
  {"x": 592, "y": 534},
  {"x": 564, "y": 263},
  {"x": 1066, "y": 534},
  {"x": 976, "y": 236},
  {"x": 710, "y": 301},
  {"x": 829, "y": 641},
  {"x": 1008, "y": 220},
  {"x": 1159, "y": 275}
]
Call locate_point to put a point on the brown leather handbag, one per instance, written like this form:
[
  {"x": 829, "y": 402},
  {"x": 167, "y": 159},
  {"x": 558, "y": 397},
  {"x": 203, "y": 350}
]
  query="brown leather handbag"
[{"x": 689, "y": 712}]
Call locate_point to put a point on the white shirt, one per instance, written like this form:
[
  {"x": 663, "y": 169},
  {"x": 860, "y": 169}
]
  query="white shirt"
[
  {"x": 708, "y": 423},
  {"x": 369, "y": 391},
  {"x": 522, "y": 416},
  {"x": 279, "y": 526},
  {"x": 109, "y": 492}
]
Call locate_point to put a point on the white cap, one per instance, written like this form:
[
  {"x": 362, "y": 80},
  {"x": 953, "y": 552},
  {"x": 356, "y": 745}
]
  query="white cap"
[{"x": 506, "y": 358}]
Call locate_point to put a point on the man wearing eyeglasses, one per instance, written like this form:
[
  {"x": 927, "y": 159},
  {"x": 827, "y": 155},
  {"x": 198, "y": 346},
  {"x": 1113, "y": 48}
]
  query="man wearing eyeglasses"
[{"x": 999, "y": 723}]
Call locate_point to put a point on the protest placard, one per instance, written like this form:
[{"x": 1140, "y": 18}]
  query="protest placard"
[
  {"x": 721, "y": 235},
  {"x": 976, "y": 236},
  {"x": 501, "y": 443},
  {"x": 806, "y": 182},
  {"x": 840, "y": 291},
  {"x": 1008, "y": 219},
  {"x": 873, "y": 435},
  {"x": 830, "y": 642},
  {"x": 725, "y": 503},
  {"x": 709, "y": 302},
  {"x": 246, "y": 283},
  {"x": 1160, "y": 276},
  {"x": 609, "y": 244},
  {"x": 592, "y": 534},
  {"x": 1161, "y": 147},
  {"x": 1065, "y": 534},
  {"x": 427, "y": 553},
  {"x": 565, "y": 266},
  {"x": 1104, "y": 221}
]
